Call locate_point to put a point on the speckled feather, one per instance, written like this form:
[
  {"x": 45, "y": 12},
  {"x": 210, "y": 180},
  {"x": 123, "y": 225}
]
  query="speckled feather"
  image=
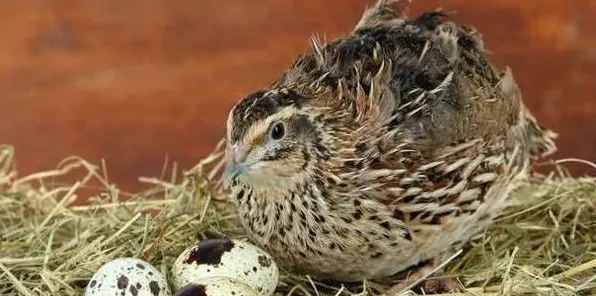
[{"x": 404, "y": 143}]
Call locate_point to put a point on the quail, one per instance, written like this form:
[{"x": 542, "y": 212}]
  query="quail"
[{"x": 380, "y": 150}]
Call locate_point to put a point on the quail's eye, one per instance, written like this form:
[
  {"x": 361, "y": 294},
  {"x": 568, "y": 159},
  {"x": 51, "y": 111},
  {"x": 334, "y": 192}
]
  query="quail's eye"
[{"x": 278, "y": 131}]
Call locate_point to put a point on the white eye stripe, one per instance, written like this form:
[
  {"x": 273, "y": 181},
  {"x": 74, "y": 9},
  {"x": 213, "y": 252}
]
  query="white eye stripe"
[{"x": 261, "y": 127}]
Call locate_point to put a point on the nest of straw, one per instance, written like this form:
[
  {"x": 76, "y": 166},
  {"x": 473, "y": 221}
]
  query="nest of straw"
[{"x": 50, "y": 244}]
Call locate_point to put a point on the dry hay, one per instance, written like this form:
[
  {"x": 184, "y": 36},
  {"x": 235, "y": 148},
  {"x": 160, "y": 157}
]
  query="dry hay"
[{"x": 49, "y": 245}]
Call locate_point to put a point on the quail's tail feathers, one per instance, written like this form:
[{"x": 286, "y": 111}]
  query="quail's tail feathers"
[{"x": 541, "y": 141}]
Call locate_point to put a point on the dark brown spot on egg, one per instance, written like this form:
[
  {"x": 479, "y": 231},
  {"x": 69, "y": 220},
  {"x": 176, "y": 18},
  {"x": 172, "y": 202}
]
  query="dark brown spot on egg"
[
  {"x": 133, "y": 290},
  {"x": 122, "y": 282},
  {"x": 92, "y": 283},
  {"x": 154, "y": 288},
  {"x": 264, "y": 261},
  {"x": 140, "y": 266},
  {"x": 192, "y": 290},
  {"x": 210, "y": 251}
]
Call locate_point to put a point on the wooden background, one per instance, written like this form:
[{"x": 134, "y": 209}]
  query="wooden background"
[{"x": 134, "y": 81}]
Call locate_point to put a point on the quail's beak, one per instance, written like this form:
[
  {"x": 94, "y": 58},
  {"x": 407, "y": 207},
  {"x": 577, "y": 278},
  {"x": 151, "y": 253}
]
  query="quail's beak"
[
  {"x": 236, "y": 155},
  {"x": 232, "y": 172}
]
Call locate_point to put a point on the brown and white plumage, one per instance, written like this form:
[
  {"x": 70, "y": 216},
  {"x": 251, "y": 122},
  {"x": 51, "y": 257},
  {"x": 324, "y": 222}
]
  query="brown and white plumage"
[{"x": 380, "y": 150}]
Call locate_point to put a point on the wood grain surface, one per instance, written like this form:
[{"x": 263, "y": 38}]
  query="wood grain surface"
[{"x": 135, "y": 81}]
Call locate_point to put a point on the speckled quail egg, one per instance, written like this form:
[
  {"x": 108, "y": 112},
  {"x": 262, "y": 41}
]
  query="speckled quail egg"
[
  {"x": 127, "y": 277},
  {"x": 227, "y": 258},
  {"x": 217, "y": 286}
]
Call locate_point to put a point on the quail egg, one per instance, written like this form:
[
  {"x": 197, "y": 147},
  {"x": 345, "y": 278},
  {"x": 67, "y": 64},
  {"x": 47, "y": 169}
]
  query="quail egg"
[
  {"x": 231, "y": 258},
  {"x": 217, "y": 286},
  {"x": 127, "y": 277}
]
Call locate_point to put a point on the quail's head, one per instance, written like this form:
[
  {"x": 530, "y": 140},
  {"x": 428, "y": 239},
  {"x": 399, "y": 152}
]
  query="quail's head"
[{"x": 271, "y": 141}]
